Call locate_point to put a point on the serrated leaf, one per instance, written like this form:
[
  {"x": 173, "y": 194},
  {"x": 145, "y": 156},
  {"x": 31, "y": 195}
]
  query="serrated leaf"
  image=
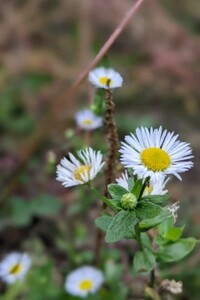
[
  {"x": 116, "y": 191},
  {"x": 120, "y": 226},
  {"x": 177, "y": 250},
  {"x": 150, "y": 223},
  {"x": 147, "y": 210},
  {"x": 157, "y": 199},
  {"x": 103, "y": 222},
  {"x": 144, "y": 261}
]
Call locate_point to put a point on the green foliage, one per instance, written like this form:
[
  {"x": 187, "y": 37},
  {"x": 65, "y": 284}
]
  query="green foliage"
[
  {"x": 137, "y": 188},
  {"x": 169, "y": 232},
  {"x": 103, "y": 222},
  {"x": 147, "y": 210},
  {"x": 156, "y": 199},
  {"x": 98, "y": 106},
  {"x": 116, "y": 191},
  {"x": 177, "y": 250},
  {"x": 121, "y": 224},
  {"x": 147, "y": 224},
  {"x": 144, "y": 260},
  {"x": 22, "y": 211}
]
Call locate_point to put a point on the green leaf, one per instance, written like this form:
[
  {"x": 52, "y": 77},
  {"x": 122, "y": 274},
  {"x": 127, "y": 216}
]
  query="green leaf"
[
  {"x": 145, "y": 241},
  {"x": 170, "y": 232},
  {"x": 174, "y": 234},
  {"x": 116, "y": 202},
  {"x": 116, "y": 190},
  {"x": 147, "y": 210},
  {"x": 158, "y": 240},
  {"x": 103, "y": 222},
  {"x": 45, "y": 205},
  {"x": 20, "y": 212},
  {"x": 150, "y": 223},
  {"x": 157, "y": 199},
  {"x": 121, "y": 224},
  {"x": 137, "y": 188},
  {"x": 165, "y": 226},
  {"x": 177, "y": 250},
  {"x": 144, "y": 261}
]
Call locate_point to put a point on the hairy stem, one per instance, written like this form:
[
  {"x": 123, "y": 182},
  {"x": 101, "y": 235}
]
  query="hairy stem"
[{"x": 113, "y": 140}]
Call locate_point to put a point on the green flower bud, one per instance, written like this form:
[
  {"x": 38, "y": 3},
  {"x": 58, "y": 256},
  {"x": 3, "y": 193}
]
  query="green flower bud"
[{"x": 129, "y": 201}]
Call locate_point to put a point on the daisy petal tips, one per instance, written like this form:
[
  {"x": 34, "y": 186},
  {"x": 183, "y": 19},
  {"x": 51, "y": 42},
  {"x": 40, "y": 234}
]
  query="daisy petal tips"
[
  {"x": 84, "y": 281},
  {"x": 75, "y": 171},
  {"x": 155, "y": 153},
  {"x": 87, "y": 120},
  {"x": 105, "y": 78}
]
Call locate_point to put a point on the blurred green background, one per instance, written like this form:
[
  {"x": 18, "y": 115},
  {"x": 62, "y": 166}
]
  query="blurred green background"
[{"x": 44, "y": 46}]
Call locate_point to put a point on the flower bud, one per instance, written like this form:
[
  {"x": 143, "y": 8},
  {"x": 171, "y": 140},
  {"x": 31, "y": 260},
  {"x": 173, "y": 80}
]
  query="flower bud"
[{"x": 129, "y": 201}]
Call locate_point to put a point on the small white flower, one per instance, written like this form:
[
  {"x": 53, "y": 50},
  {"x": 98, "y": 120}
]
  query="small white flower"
[
  {"x": 86, "y": 119},
  {"x": 154, "y": 188},
  {"x": 105, "y": 78},
  {"x": 14, "y": 267},
  {"x": 173, "y": 210},
  {"x": 84, "y": 281},
  {"x": 73, "y": 172},
  {"x": 172, "y": 286},
  {"x": 155, "y": 153}
]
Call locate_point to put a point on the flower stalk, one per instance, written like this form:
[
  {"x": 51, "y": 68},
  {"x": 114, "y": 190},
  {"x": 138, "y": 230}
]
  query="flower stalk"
[{"x": 112, "y": 138}]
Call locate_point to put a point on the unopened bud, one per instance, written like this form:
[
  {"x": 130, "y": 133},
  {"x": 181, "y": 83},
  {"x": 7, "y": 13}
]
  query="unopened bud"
[{"x": 129, "y": 201}]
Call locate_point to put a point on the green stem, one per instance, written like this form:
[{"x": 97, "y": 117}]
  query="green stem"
[
  {"x": 137, "y": 235},
  {"x": 152, "y": 278},
  {"x": 104, "y": 199}
]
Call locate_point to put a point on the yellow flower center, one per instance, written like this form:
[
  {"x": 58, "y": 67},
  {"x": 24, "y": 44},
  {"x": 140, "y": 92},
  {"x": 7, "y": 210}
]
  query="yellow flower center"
[
  {"x": 81, "y": 171},
  {"x": 87, "y": 122},
  {"x": 15, "y": 269},
  {"x": 105, "y": 81},
  {"x": 86, "y": 285},
  {"x": 155, "y": 159}
]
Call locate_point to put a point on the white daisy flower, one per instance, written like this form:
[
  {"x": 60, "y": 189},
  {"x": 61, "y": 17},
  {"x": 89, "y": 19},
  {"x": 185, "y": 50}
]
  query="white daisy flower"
[
  {"x": 154, "y": 188},
  {"x": 105, "y": 78},
  {"x": 84, "y": 281},
  {"x": 73, "y": 172},
  {"x": 86, "y": 119},
  {"x": 155, "y": 153},
  {"x": 14, "y": 267}
]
